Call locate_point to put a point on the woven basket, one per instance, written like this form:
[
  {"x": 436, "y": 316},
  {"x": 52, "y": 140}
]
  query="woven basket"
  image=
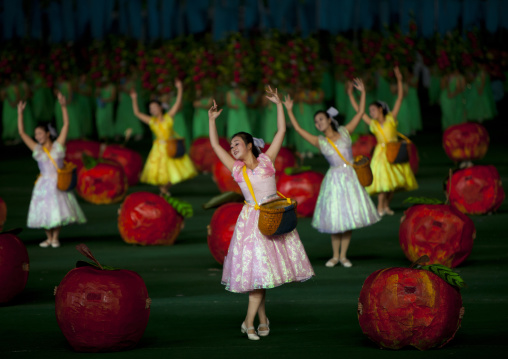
[
  {"x": 176, "y": 147},
  {"x": 277, "y": 217},
  {"x": 363, "y": 171},
  {"x": 67, "y": 177},
  {"x": 397, "y": 151}
]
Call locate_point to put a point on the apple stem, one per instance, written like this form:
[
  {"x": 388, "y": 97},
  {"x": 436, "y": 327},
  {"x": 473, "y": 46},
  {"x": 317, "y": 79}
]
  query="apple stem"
[
  {"x": 84, "y": 250},
  {"x": 422, "y": 259}
]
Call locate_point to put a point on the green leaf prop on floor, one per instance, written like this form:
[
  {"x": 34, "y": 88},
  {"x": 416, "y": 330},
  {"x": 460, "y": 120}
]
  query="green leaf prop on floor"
[
  {"x": 223, "y": 198},
  {"x": 422, "y": 200},
  {"x": 183, "y": 208},
  {"x": 295, "y": 170},
  {"x": 445, "y": 273}
]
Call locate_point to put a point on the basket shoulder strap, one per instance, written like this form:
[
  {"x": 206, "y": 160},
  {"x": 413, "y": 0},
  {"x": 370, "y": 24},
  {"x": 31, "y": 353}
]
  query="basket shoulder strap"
[
  {"x": 381, "y": 130},
  {"x": 247, "y": 180},
  {"x": 404, "y": 137},
  {"x": 51, "y": 158},
  {"x": 338, "y": 152}
]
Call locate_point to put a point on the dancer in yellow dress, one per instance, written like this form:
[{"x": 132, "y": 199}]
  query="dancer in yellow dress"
[
  {"x": 160, "y": 169},
  {"x": 388, "y": 177}
]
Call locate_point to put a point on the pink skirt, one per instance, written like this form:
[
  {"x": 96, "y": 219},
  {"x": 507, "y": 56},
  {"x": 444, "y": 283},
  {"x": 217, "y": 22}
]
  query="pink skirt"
[{"x": 255, "y": 261}]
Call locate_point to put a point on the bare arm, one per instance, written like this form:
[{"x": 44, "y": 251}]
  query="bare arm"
[
  {"x": 223, "y": 155},
  {"x": 313, "y": 140},
  {"x": 62, "y": 137},
  {"x": 274, "y": 148},
  {"x": 358, "y": 84},
  {"x": 144, "y": 118},
  {"x": 352, "y": 99},
  {"x": 178, "y": 102},
  {"x": 400, "y": 93},
  {"x": 21, "y": 128}
]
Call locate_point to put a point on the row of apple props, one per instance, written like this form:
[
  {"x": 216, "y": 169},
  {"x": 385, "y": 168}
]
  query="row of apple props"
[
  {"x": 131, "y": 161},
  {"x": 148, "y": 219},
  {"x": 101, "y": 309},
  {"x": 401, "y": 307},
  {"x": 14, "y": 265},
  {"x": 466, "y": 142}
]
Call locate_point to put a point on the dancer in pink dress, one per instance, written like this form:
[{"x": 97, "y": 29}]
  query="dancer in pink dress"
[{"x": 256, "y": 262}]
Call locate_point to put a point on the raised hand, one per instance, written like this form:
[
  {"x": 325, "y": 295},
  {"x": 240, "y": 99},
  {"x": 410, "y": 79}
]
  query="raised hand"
[
  {"x": 21, "y": 106},
  {"x": 133, "y": 94},
  {"x": 398, "y": 74},
  {"x": 61, "y": 99},
  {"x": 178, "y": 84},
  {"x": 288, "y": 102},
  {"x": 273, "y": 96},
  {"x": 358, "y": 84},
  {"x": 212, "y": 112}
]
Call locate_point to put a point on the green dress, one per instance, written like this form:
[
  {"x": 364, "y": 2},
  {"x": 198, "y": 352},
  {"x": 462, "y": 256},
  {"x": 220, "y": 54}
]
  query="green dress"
[
  {"x": 341, "y": 97},
  {"x": 75, "y": 127},
  {"x": 237, "y": 119},
  {"x": 452, "y": 109},
  {"x": 85, "y": 110},
  {"x": 125, "y": 117},
  {"x": 181, "y": 123},
  {"x": 255, "y": 114},
  {"x": 415, "y": 114},
  {"x": 104, "y": 113},
  {"x": 482, "y": 106},
  {"x": 304, "y": 113},
  {"x": 434, "y": 89},
  {"x": 42, "y": 101},
  {"x": 28, "y": 118},
  {"x": 350, "y": 112},
  {"x": 200, "y": 121},
  {"x": 10, "y": 115},
  {"x": 384, "y": 92},
  {"x": 327, "y": 85}
]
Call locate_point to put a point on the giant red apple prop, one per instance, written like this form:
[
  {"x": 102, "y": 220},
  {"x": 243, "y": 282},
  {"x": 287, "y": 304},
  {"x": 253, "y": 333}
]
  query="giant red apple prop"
[
  {"x": 148, "y": 219},
  {"x": 364, "y": 146},
  {"x": 223, "y": 178},
  {"x": 221, "y": 228},
  {"x": 3, "y": 213},
  {"x": 14, "y": 266},
  {"x": 101, "y": 182},
  {"x": 439, "y": 231},
  {"x": 476, "y": 190},
  {"x": 100, "y": 309},
  {"x": 74, "y": 150},
  {"x": 466, "y": 142},
  {"x": 131, "y": 161},
  {"x": 202, "y": 154},
  {"x": 304, "y": 188},
  {"x": 401, "y": 307}
]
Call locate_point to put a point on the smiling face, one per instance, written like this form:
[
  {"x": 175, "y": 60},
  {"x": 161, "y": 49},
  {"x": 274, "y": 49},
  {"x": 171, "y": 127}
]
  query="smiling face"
[
  {"x": 375, "y": 111},
  {"x": 322, "y": 122},
  {"x": 238, "y": 148},
  {"x": 155, "y": 109},
  {"x": 41, "y": 136}
]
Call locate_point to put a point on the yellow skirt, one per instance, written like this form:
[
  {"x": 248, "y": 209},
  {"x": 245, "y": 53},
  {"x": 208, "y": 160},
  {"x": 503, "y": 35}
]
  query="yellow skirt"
[
  {"x": 389, "y": 177},
  {"x": 160, "y": 169}
]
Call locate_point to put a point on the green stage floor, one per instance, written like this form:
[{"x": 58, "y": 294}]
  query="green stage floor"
[{"x": 192, "y": 316}]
